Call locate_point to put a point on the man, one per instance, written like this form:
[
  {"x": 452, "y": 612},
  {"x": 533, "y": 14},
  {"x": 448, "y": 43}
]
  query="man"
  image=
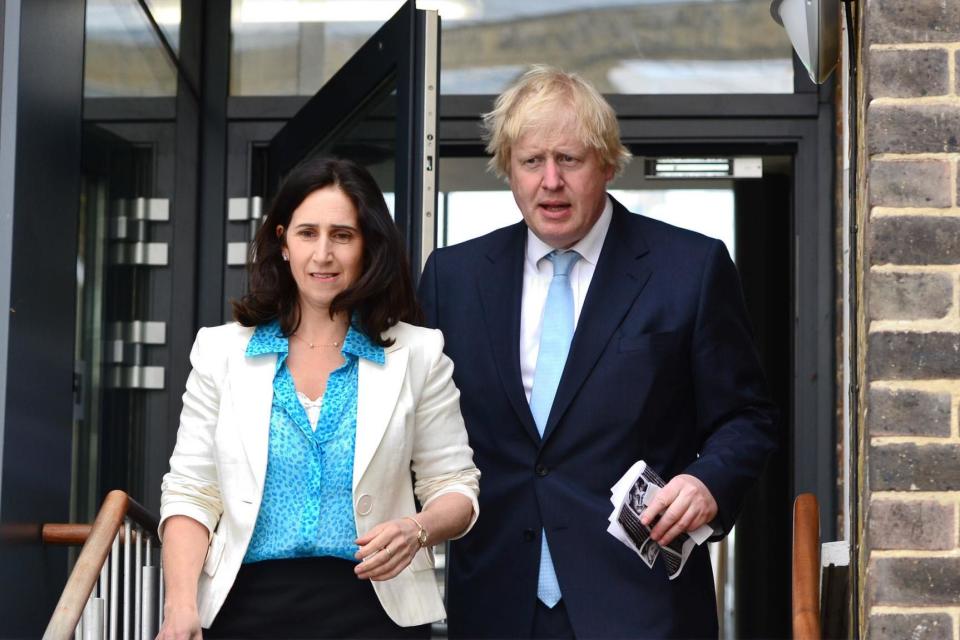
[{"x": 584, "y": 339}]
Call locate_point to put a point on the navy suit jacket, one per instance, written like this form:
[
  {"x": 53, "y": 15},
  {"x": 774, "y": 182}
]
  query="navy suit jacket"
[{"x": 662, "y": 367}]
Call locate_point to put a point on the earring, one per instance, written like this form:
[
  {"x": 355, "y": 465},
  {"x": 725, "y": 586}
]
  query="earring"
[{"x": 286, "y": 258}]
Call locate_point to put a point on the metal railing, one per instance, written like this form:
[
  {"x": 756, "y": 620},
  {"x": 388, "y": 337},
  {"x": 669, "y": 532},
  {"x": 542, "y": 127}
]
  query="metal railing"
[{"x": 116, "y": 586}]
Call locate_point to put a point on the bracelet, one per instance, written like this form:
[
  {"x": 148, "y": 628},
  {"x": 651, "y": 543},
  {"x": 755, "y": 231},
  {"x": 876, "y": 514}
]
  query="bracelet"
[{"x": 421, "y": 532}]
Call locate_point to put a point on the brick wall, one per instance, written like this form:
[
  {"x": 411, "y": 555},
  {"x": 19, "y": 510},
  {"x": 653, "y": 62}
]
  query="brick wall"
[{"x": 910, "y": 558}]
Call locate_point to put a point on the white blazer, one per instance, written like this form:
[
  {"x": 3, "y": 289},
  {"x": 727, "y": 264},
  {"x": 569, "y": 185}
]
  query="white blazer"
[{"x": 408, "y": 417}]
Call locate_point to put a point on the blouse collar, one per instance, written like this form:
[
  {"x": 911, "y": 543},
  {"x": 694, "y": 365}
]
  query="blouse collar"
[{"x": 269, "y": 338}]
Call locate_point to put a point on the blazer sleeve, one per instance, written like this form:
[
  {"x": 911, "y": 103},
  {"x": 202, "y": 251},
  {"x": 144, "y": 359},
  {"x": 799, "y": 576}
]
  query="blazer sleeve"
[
  {"x": 191, "y": 487},
  {"x": 442, "y": 459},
  {"x": 737, "y": 423}
]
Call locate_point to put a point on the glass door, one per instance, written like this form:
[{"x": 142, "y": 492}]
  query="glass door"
[
  {"x": 124, "y": 313},
  {"x": 380, "y": 110},
  {"x": 130, "y": 229}
]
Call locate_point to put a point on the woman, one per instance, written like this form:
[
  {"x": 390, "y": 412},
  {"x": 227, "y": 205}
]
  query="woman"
[{"x": 289, "y": 507}]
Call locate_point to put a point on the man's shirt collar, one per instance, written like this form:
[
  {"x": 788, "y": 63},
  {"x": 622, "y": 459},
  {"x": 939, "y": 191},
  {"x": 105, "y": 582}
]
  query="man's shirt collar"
[{"x": 588, "y": 247}]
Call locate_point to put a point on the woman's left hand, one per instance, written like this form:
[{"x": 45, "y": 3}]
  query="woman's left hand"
[{"x": 386, "y": 549}]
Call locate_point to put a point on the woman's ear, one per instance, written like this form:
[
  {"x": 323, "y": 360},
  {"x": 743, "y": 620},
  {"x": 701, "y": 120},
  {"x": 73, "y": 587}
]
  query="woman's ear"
[{"x": 283, "y": 253}]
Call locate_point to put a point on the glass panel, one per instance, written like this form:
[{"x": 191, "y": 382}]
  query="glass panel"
[
  {"x": 116, "y": 293},
  {"x": 167, "y": 15},
  {"x": 707, "y": 211},
  {"x": 622, "y": 46},
  {"x": 89, "y": 343},
  {"x": 470, "y": 214},
  {"x": 371, "y": 141},
  {"x": 123, "y": 55},
  {"x": 125, "y": 311},
  {"x": 291, "y": 47}
]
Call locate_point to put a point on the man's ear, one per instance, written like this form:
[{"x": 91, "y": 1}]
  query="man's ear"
[{"x": 609, "y": 172}]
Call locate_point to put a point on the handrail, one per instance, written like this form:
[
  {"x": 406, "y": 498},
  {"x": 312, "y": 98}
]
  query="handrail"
[
  {"x": 65, "y": 534},
  {"x": 806, "y": 568},
  {"x": 96, "y": 547}
]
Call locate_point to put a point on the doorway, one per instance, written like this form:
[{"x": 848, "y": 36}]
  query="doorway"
[{"x": 744, "y": 201}]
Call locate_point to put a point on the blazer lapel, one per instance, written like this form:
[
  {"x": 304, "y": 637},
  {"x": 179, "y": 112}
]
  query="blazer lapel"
[
  {"x": 617, "y": 281},
  {"x": 501, "y": 289},
  {"x": 251, "y": 388},
  {"x": 377, "y": 393}
]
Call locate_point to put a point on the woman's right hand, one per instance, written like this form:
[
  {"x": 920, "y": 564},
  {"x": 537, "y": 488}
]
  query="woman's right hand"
[{"x": 180, "y": 623}]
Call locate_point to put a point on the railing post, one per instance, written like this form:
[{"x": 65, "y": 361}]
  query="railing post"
[
  {"x": 147, "y": 630},
  {"x": 92, "y": 621},
  {"x": 806, "y": 568},
  {"x": 126, "y": 580},
  {"x": 104, "y": 596},
  {"x": 114, "y": 580},
  {"x": 160, "y": 598},
  {"x": 138, "y": 580}
]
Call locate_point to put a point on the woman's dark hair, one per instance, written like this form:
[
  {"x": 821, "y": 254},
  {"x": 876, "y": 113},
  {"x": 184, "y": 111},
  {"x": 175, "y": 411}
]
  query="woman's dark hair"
[{"x": 381, "y": 296}]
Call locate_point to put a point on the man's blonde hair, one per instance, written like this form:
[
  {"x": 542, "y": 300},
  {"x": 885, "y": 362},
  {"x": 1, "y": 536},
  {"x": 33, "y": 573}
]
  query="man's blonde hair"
[{"x": 541, "y": 95}]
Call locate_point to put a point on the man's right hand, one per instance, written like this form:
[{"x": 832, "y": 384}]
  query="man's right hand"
[{"x": 684, "y": 504}]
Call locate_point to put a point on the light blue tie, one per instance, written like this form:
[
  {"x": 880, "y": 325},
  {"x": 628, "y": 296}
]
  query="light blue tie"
[{"x": 555, "y": 337}]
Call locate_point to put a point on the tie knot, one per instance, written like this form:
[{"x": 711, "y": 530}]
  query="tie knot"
[{"x": 563, "y": 262}]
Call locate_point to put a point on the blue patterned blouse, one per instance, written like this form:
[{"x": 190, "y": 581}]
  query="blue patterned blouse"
[{"x": 307, "y": 506}]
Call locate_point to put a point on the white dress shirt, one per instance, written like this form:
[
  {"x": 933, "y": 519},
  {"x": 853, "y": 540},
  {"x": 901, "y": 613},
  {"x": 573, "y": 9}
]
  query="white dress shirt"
[{"x": 537, "y": 274}]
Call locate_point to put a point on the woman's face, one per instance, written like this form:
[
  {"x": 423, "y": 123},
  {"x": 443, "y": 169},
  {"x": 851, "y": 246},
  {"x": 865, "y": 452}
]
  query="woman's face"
[{"x": 324, "y": 246}]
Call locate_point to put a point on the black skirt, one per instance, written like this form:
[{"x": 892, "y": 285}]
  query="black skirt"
[{"x": 305, "y": 598}]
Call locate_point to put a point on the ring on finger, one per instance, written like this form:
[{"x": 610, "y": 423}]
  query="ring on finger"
[{"x": 389, "y": 552}]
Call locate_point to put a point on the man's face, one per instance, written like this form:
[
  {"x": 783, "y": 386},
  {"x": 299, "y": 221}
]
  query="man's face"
[{"x": 558, "y": 183}]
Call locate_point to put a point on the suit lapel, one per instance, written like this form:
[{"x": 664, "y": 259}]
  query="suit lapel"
[
  {"x": 252, "y": 391},
  {"x": 501, "y": 289},
  {"x": 617, "y": 281},
  {"x": 377, "y": 393}
]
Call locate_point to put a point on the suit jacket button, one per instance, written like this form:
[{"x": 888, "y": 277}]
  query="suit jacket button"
[
  {"x": 528, "y": 535},
  {"x": 364, "y": 504},
  {"x": 541, "y": 470}
]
